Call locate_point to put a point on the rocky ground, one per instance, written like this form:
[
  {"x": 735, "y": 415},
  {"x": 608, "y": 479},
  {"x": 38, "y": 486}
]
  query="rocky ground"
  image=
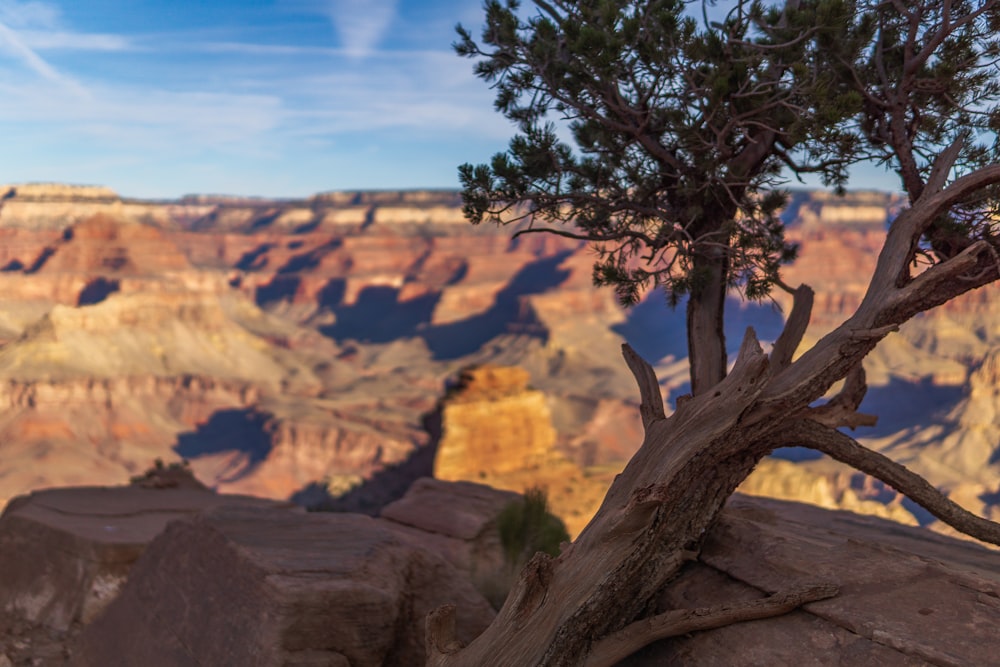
[{"x": 165, "y": 575}]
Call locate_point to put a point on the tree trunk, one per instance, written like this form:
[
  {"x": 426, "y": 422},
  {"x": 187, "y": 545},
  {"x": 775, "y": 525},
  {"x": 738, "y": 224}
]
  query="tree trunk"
[
  {"x": 705, "y": 313},
  {"x": 646, "y": 529},
  {"x": 587, "y": 606}
]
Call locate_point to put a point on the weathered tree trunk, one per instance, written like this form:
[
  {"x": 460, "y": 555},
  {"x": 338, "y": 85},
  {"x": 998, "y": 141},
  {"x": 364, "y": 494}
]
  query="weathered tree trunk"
[
  {"x": 586, "y": 606},
  {"x": 705, "y": 313}
]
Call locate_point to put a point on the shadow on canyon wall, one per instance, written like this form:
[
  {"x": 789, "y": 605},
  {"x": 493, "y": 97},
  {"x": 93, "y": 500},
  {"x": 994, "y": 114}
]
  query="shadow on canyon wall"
[
  {"x": 657, "y": 331},
  {"x": 903, "y": 405},
  {"x": 235, "y": 430},
  {"x": 378, "y": 316},
  {"x": 458, "y": 339},
  {"x": 384, "y": 487}
]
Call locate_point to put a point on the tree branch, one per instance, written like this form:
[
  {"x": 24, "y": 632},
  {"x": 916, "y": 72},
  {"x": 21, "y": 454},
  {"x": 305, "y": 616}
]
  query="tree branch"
[
  {"x": 943, "y": 164},
  {"x": 847, "y": 450},
  {"x": 651, "y": 405},
  {"x": 615, "y": 647},
  {"x": 842, "y": 409},
  {"x": 791, "y": 335}
]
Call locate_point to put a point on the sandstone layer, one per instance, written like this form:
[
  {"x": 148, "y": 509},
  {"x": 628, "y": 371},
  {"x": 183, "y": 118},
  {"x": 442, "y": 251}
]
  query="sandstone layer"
[{"x": 295, "y": 347}]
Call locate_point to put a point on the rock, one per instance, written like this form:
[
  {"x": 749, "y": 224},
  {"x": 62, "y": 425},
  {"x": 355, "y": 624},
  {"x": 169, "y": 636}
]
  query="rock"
[
  {"x": 907, "y": 596},
  {"x": 454, "y": 519},
  {"x": 493, "y": 424},
  {"x": 238, "y": 586},
  {"x": 497, "y": 431},
  {"x": 65, "y": 553}
]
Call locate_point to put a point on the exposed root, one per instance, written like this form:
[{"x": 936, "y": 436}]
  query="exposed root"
[{"x": 619, "y": 645}]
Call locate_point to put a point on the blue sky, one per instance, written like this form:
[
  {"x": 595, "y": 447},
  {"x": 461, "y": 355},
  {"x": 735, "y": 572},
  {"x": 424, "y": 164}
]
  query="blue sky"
[{"x": 279, "y": 98}]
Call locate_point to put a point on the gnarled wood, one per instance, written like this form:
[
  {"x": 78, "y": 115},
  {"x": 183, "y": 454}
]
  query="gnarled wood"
[
  {"x": 650, "y": 397},
  {"x": 847, "y": 450},
  {"x": 619, "y": 645}
]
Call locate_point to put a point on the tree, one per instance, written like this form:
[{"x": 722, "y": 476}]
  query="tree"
[
  {"x": 921, "y": 94},
  {"x": 679, "y": 131}
]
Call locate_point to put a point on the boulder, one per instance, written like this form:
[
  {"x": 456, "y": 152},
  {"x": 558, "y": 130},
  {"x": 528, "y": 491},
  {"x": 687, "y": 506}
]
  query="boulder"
[
  {"x": 65, "y": 553},
  {"x": 457, "y": 520},
  {"x": 241, "y": 586},
  {"x": 907, "y": 596}
]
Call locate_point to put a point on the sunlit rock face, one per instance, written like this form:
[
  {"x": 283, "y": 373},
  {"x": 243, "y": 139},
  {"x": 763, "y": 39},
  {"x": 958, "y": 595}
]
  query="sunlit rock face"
[{"x": 492, "y": 424}]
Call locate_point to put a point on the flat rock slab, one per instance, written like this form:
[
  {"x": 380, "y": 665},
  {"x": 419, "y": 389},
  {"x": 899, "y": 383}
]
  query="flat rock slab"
[
  {"x": 907, "y": 596},
  {"x": 238, "y": 586},
  {"x": 65, "y": 553},
  {"x": 457, "y": 520},
  {"x": 461, "y": 510}
]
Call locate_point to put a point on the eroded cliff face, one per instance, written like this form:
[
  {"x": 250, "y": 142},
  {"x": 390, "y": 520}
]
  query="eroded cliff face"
[
  {"x": 496, "y": 430},
  {"x": 285, "y": 346}
]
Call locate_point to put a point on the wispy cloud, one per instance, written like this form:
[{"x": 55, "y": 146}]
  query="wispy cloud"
[
  {"x": 30, "y": 26},
  {"x": 13, "y": 45},
  {"x": 28, "y": 13},
  {"x": 361, "y": 24},
  {"x": 61, "y": 40}
]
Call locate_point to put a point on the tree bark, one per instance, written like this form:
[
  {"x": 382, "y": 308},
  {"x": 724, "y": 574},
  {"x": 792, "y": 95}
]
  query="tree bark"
[{"x": 705, "y": 313}]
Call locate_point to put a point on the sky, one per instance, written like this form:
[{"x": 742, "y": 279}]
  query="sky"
[{"x": 270, "y": 98}]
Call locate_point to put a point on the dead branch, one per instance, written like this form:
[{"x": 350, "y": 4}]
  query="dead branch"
[
  {"x": 619, "y": 645},
  {"x": 651, "y": 399},
  {"x": 842, "y": 409},
  {"x": 795, "y": 328},
  {"x": 942, "y": 166},
  {"x": 847, "y": 450}
]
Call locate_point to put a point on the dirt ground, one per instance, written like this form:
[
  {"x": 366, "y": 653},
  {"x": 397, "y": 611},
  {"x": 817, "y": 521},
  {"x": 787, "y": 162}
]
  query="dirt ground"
[{"x": 23, "y": 644}]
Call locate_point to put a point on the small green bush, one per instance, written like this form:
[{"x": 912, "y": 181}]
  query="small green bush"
[{"x": 526, "y": 527}]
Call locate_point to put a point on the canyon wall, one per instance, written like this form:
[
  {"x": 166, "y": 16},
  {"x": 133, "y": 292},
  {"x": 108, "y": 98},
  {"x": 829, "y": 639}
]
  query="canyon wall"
[{"x": 300, "y": 347}]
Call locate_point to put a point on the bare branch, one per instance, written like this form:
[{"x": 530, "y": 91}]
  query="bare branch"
[
  {"x": 651, "y": 406},
  {"x": 795, "y": 328},
  {"x": 847, "y": 450},
  {"x": 943, "y": 164},
  {"x": 619, "y": 645},
  {"x": 842, "y": 409},
  {"x": 618, "y": 236}
]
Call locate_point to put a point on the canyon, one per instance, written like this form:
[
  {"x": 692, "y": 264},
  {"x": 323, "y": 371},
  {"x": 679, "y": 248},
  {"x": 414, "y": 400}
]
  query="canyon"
[{"x": 314, "y": 350}]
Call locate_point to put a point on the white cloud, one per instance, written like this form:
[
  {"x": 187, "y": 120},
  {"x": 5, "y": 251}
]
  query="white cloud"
[
  {"x": 51, "y": 40},
  {"x": 28, "y": 13},
  {"x": 361, "y": 24},
  {"x": 11, "y": 42},
  {"x": 29, "y": 26},
  {"x": 146, "y": 120}
]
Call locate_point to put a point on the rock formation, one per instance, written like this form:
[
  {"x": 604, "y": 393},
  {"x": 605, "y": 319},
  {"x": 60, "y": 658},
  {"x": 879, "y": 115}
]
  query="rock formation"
[
  {"x": 66, "y": 553},
  {"x": 497, "y": 431},
  {"x": 290, "y": 345},
  {"x": 180, "y": 576},
  {"x": 322, "y": 588},
  {"x": 311, "y": 587}
]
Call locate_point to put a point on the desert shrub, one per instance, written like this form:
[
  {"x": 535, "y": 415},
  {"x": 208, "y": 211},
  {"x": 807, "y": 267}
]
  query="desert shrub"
[{"x": 526, "y": 527}]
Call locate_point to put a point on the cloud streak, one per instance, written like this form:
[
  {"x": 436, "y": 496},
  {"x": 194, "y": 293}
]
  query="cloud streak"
[
  {"x": 13, "y": 45},
  {"x": 361, "y": 24}
]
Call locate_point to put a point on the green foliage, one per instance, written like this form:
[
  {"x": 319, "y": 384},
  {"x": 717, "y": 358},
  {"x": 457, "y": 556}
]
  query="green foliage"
[
  {"x": 526, "y": 527},
  {"x": 659, "y": 137},
  {"x": 928, "y": 77}
]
